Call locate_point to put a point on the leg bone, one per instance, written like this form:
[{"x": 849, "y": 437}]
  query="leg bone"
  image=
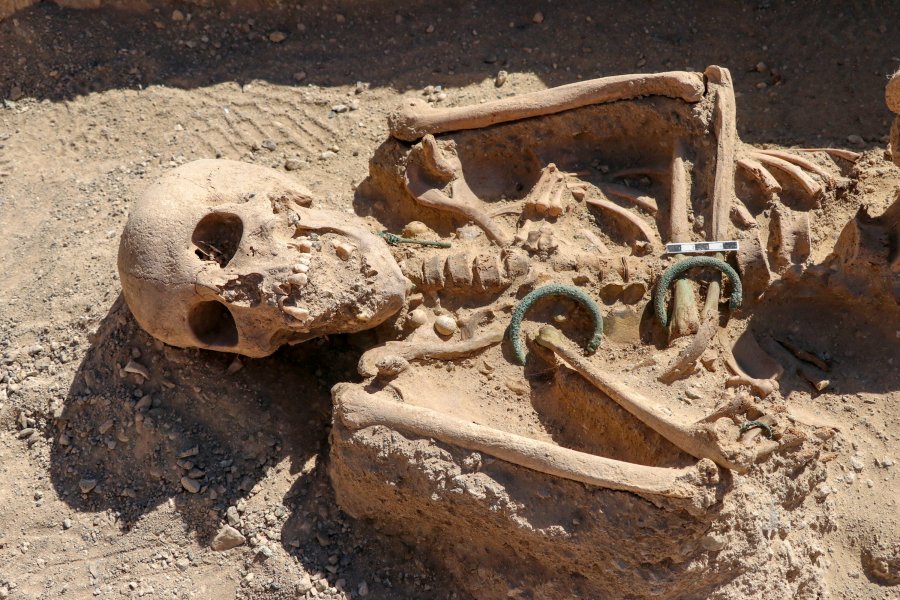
[{"x": 357, "y": 409}]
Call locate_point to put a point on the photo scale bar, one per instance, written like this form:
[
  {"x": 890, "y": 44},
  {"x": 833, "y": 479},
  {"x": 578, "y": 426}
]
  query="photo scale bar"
[{"x": 701, "y": 247}]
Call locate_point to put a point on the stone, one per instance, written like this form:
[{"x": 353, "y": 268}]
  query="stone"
[
  {"x": 191, "y": 485},
  {"x": 293, "y": 164},
  {"x": 86, "y": 485},
  {"x": 227, "y": 538},
  {"x": 713, "y": 542},
  {"x": 276, "y": 37},
  {"x": 500, "y": 79}
]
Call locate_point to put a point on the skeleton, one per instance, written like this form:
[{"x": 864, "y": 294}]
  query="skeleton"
[{"x": 246, "y": 265}]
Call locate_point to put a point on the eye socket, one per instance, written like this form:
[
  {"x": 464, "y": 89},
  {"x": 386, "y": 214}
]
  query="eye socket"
[
  {"x": 212, "y": 324},
  {"x": 217, "y": 237}
]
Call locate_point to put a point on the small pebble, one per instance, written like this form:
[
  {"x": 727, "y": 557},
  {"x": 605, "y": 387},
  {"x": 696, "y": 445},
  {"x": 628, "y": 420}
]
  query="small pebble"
[
  {"x": 293, "y": 164},
  {"x": 538, "y": 18},
  {"x": 177, "y": 15},
  {"x": 343, "y": 249},
  {"x": 191, "y": 485},
  {"x": 86, "y": 485},
  {"x": 299, "y": 75},
  {"x": 856, "y": 463},
  {"x": 501, "y": 78},
  {"x": 276, "y": 37}
]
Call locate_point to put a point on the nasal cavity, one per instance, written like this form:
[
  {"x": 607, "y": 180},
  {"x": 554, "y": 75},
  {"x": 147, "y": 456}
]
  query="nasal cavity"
[
  {"x": 217, "y": 236},
  {"x": 213, "y": 325}
]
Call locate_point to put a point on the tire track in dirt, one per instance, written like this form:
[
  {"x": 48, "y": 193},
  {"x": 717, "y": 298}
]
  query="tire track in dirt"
[{"x": 272, "y": 119}]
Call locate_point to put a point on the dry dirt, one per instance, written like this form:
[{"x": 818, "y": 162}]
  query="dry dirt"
[{"x": 98, "y": 103}]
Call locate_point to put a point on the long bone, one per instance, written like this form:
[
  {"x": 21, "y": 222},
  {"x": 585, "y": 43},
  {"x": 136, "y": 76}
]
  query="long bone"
[
  {"x": 702, "y": 440},
  {"x": 724, "y": 198},
  {"x": 370, "y": 362},
  {"x": 427, "y": 156},
  {"x": 417, "y": 120},
  {"x": 696, "y": 484},
  {"x": 685, "y": 318}
]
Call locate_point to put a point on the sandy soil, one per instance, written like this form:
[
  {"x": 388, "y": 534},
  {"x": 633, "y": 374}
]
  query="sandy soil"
[{"x": 98, "y": 103}]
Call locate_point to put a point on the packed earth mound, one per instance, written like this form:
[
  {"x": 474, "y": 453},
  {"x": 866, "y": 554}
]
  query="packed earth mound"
[{"x": 448, "y": 302}]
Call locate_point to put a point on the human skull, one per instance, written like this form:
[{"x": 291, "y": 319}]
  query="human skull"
[{"x": 228, "y": 256}]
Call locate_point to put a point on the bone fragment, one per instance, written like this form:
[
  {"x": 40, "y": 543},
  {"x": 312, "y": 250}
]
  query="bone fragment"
[
  {"x": 709, "y": 325},
  {"x": 724, "y": 112},
  {"x": 463, "y": 202},
  {"x": 810, "y": 186},
  {"x": 789, "y": 238},
  {"x": 740, "y": 216},
  {"x": 835, "y": 152},
  {"x": 680, "y": 197},
  {"x": 546, "y": 197},
  {"x": 762, "y": 387},
  {"x": 819, "y": 383},
  {"x": 137, "y": 369},
  {"x": 417, "y": 119},
  {"x": 595, "y": 240},
  {"x": 437, "y": 349},
  {"x": 626, "y": 215},
  {"x": 804, "y": 355},
  {"x": 761, "y": 174},
  {"x": 357, "y": 410},
  {"x": 801, "y": 162},
  {"x": 685, "y": 317},
  {"x": 631, "y": 195},
  {"x": 699, "y": 440},
  {"x": 645, "y": 171}
]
